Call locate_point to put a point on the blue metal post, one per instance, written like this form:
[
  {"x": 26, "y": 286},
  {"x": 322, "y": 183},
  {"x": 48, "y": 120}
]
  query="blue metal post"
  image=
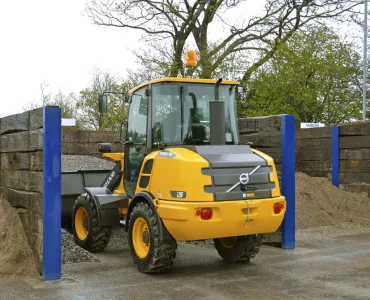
[
  {"x": 288, "y": 179},
  {"x": 335, "y": 155},
  {"x": 51, "y": 266}
]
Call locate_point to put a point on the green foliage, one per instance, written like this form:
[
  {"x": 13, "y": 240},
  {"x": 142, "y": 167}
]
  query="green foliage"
[
  {"x": 66, "y": 104},
  {"x": 89, "y": 117},
  {"x": 314, "y": 76}
]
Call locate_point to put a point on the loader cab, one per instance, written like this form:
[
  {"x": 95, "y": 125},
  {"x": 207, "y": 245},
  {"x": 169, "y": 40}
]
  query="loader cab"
[{"x": 173, "y": 112}]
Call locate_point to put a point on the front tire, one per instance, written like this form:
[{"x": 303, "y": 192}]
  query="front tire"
[
  {"x": 239, "y": 248},
  {"x": 150, "y": 253},
  {"x": 86, "y": 231}
]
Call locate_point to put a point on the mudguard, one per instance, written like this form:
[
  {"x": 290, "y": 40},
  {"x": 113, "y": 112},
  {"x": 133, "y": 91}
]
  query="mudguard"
[
  {"x": 107, "y": 205},
  {"x": 148, "y": 198}
]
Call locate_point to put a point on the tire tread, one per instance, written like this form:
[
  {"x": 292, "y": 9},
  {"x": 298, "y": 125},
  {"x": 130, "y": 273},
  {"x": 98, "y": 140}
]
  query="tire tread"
[
  {"x": 245, "y": 248},
  {"x": 99, "y": 237},
  {"x": 164, "y": 251}
]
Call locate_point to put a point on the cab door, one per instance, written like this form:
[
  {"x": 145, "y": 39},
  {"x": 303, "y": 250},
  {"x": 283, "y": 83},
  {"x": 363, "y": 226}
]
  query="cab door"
[{"x": 136, "y": 136}]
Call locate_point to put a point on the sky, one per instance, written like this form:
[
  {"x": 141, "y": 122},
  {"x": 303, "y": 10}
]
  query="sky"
[{"x": 53, "y": 42}]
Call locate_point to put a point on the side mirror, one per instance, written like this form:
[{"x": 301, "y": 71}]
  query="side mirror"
[{"x": 103, "y": 103}]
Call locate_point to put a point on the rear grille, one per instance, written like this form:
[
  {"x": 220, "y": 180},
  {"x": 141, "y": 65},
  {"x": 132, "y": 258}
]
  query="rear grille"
[
  {"x": 227, "y": 163},
  {"x": 224, "y": 178}
]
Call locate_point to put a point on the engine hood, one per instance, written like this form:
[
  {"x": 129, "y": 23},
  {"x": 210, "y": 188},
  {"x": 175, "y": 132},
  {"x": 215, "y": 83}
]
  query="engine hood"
[{"x": 206, "y": 173}]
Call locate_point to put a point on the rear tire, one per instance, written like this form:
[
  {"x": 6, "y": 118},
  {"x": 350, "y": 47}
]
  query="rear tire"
[
  {"x": 86, "y": 231},
  {"x": 150, "y": 253},
  {"x": 239, "y": 248}
]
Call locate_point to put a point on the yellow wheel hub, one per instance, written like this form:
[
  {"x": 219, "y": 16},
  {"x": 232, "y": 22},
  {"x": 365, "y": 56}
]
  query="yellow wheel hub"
[
  {"x": 228, "y": 242},
  {"x": 141, "y": 237},
  {"x": 81, "y": 223}
]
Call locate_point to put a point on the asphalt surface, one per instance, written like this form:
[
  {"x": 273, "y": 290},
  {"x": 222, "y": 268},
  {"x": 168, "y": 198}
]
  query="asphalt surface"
[{"x": 336, "y": 268}]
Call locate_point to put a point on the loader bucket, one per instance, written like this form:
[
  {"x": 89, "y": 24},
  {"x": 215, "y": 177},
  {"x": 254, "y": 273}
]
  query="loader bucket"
[{"x": 73, "y": 184}]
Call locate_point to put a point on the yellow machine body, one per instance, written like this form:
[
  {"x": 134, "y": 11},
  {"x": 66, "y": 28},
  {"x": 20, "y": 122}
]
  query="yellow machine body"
[
  {"x": 178, "y": 182},
  {"x": 184, "y": 173},
  {"x": 229, "y": 218}
]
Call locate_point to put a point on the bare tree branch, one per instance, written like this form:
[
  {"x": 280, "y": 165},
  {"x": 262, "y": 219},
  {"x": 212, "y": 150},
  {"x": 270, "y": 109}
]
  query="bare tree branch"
[{"x": 175, "y": 21}]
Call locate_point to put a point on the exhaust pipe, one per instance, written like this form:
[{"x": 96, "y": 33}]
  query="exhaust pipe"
[
  {"x": 217, "y": 94},
  {"x": 217, "y": 118}
]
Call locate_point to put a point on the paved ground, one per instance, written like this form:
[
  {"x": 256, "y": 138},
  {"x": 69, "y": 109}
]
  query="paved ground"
[{"x": 319, "y": 268}]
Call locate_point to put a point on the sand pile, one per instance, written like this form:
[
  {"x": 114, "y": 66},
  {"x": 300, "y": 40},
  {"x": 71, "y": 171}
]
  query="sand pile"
[
  {"x": 319, "y": 203},
  {"x": 16, "y": 256}
]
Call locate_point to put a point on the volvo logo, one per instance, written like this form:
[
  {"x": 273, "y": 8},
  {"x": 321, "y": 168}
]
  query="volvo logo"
[{"x": 244, "y": 178}]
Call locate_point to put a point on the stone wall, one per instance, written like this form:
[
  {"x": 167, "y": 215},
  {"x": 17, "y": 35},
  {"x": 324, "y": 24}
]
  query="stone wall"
[
  {"x": 21, "y": 172},
  {"x": 313, "y": 146},
  {"x": 313, "y": 149},
  {"x": 263, "y": 134},
  {"x": 86, "y": 142},
  {"x": 354, "y": 145}
]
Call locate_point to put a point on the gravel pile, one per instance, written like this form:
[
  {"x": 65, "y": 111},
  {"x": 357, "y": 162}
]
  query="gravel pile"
[
  {"x": 205, "y": 243},
  {"x": 118, "y": 239},
  {"x": 72, "y": 253},
  {"x": 74, "y": 163}
]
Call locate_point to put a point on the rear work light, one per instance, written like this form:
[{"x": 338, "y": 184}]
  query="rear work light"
[
  {"x": 278, "y": 207},
  {"x": 204, "y": 213}
]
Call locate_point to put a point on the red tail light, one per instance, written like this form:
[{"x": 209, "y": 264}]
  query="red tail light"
[
  {"x": 206, "y": 213},
  {"x": 278, "y": 207}
]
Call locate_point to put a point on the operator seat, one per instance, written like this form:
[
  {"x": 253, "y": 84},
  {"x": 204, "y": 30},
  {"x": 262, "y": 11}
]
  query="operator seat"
[
  {"x": 196, "y": 130},
  {"x": 170, "y": 126}
]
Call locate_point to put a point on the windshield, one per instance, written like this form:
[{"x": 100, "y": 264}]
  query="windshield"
[{"x": 181, "y": 113}]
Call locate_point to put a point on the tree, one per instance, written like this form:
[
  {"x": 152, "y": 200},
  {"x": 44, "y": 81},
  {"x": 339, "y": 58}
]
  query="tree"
[
  {"x": 160, "y": 19},
  {"x": 313, "y": 76},
  {"x": 137, "y": 77},
  {"x": 66, "y": 102},
  {"x": 172, "y": 23},
  {"x": 89, "y": 117}
]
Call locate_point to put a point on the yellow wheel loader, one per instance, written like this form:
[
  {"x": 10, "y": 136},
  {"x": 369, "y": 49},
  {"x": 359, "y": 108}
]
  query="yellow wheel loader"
[{"x": 182, "y": 175}]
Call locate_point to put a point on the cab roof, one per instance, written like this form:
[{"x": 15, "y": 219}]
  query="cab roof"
[{"x": 183, "y": 79}]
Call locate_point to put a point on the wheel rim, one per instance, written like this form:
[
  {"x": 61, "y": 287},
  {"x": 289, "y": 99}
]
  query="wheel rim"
[
  {"x": 141, "y": 237},
  {"x": 228, "y": 242},
  {"x": 81, "y": 223}
]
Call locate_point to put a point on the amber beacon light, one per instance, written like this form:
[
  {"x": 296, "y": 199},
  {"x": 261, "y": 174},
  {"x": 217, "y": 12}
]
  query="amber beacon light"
[{"x": 191, "y": 58}]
